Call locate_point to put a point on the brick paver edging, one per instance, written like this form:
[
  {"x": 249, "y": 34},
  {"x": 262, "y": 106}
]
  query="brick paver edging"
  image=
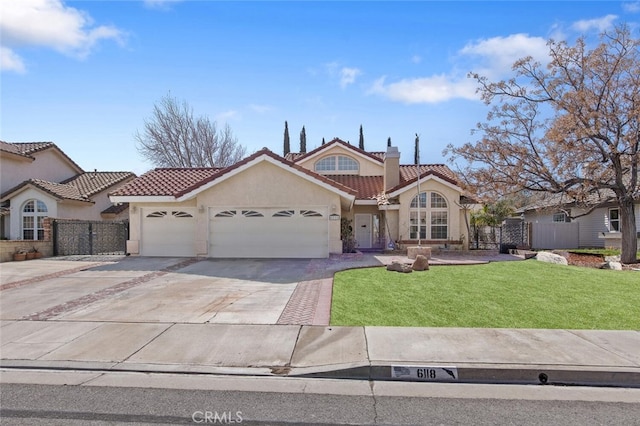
[
  {"x": 310, "y": 304},
  {"x": 58, "y": 274},
  {"x": 62, "y": 308}
]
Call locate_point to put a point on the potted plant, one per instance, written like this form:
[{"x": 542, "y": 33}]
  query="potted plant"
[
  {"x": 37, "y": 253},
  {"x": 20, "y": 254}
]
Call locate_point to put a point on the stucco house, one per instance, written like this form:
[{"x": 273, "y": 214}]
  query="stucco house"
[
  {"x": 272, "y": 206},
  {"x": 39, "y": 180},
  {"x": 560, "y": 223}
]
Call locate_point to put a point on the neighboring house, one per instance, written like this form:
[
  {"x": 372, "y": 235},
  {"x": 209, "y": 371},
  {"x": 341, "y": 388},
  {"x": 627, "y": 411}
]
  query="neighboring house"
[
  {"x": 563, "y": 224},
  {"x": 39, "y": 180},
  {"x": 270, "y": 206}
]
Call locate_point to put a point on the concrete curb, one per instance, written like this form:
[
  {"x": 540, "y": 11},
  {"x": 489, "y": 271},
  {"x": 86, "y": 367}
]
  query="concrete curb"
[{"x": 476, "y": 374}]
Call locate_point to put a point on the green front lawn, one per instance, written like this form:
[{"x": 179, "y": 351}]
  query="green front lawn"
[{"x": 521, "y": 294}]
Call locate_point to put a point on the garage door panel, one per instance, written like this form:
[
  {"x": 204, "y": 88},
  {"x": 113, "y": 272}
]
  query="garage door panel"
[
  {"x": 278, "y": 232},
  {"x": 168, "y": 232}
]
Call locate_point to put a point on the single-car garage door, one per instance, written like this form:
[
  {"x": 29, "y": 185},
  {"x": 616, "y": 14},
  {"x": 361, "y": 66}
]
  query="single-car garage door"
[
  {"x": 168, "y": 232},
  {"x": 295, "y": 232}
]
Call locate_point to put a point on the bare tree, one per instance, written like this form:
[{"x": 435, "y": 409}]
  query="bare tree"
[
  {"x": 173, "y": 137},
  {"x": 571, "y": 129}
]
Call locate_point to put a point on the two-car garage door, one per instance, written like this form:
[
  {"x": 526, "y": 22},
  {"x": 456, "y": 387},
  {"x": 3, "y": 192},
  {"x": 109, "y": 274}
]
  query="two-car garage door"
[{"x": 295, "y": 232}]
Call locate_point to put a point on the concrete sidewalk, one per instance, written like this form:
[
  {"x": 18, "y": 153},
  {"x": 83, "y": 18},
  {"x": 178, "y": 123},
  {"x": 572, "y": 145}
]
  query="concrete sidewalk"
[
  {"x": 60, "y": 337},
  {"x": 580, "y": 357}
]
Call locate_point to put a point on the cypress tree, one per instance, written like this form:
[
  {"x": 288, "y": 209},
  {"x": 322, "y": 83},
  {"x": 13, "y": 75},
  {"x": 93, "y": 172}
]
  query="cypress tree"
[
  {"x": 287, "y": 145},
  {"x": 416, "y": 155},
  {"x": 361, "y": 142},
  {"x": 303, "y": 140},
  {"x": 389, "y": 141},
  {"x": 322, "y": 141}
]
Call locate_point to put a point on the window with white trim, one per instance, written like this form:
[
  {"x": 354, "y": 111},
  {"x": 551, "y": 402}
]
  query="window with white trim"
[
  {"x": 33, "y": 214},
  {"x": 560, "y": 217},
  {"x": 614, "y": 220},
  {"x": 429, "y": 217},
  {"x": 337, "y": 163}
]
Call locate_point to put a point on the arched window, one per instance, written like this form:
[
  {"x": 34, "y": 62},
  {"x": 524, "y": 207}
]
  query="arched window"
[
  {"x": 429, "y": 216},
  {"x": 33, "y": 214},
  {"x": 337, "y": 163}
]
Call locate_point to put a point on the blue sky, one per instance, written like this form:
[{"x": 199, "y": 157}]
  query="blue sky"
[{"x": 86, "y": 74}]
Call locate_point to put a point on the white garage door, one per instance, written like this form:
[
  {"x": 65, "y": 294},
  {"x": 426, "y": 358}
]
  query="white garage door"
[
  {"x": 168, "y": 232},
  {"x": 301, "y": 232}
]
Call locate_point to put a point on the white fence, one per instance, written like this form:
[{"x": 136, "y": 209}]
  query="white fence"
[{"x": 555, "y": 235}]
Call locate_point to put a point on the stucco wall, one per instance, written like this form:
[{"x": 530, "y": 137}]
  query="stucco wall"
[
  {"x": 48, "y": 165},
  {"x": 262, "y": 185},
  {"x": 457, "y": 229},
  {"x": 368, "y": 167}
]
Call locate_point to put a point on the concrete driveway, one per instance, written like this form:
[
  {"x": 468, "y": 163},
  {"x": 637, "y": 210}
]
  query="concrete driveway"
[{"x": 170, "y": 290}]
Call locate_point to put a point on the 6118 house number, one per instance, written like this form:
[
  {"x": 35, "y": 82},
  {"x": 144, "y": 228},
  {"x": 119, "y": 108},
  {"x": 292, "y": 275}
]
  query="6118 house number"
[{"x": 424, "y": 373}]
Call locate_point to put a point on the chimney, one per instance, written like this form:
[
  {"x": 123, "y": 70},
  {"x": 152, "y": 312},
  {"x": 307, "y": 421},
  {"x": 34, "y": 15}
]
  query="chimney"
[{"x": 391, "y": 168}]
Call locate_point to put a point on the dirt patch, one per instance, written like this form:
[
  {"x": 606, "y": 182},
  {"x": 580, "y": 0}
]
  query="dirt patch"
[{"x": 590, "y": 260}]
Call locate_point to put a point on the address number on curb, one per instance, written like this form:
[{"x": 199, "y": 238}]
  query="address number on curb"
[{"x": 425, "y": 373}]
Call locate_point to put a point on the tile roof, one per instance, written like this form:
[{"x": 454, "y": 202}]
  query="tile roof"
[
  {"x": 166, "y": 181},
  {"x": 92, "y": 183},
  {"x": 79, "y": 188},
  {"x": 176, "y": 182},
  {"x": 374, "y": 156},
  {"x": 26, "y": 149},
  {"x": 366, "y": 187}
]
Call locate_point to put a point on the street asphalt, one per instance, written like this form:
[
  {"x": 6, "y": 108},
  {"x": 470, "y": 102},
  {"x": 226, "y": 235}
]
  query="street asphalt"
[{"x": 268, "y": 318}]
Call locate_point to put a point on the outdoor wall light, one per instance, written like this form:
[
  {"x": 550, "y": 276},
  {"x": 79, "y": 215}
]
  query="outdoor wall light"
[{"x": 334, "y": 216}]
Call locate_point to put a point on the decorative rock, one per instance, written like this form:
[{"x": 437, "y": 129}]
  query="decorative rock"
[
  {"x": 616, "y": 266},
  {"x": 399, "y": 267},
  {"x": 545, "y": 256},
  {"x": 421, "y": 263}
]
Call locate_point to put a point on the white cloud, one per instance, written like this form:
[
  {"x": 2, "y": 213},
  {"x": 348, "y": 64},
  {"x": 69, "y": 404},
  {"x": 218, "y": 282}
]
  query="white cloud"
[
  {"x": 492, "y": 57},
  {"x": 51, "y": 24},
  {"x": 260, "y": 109},
  {"x": 631, "y": 6},
  {"x": 416, "y": 59},
  {"x": 227, "y": 115},
  {"x": 348, "y": 76},
  {"x": 499, "y": 53},
  {"x": 9, "y": 61},
  {"x": 161, "y": 4},
  {"x": 434, "y": 89},
  {"x": 600, "y": 24}
]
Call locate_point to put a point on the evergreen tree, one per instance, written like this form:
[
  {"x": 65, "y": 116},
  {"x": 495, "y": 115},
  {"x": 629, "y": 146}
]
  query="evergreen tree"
[
  {"x": 287, "y": 145},
  {"x": 416, "y": 155},
  {"x": 389, "y": 141},
  {"x": 322, "y": 141},
  {"x": 361, "y": 143},
  {"x": 303, "y": 140}
]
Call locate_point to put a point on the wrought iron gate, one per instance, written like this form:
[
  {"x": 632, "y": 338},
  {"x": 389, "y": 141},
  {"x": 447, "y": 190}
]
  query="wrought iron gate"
[{"x": 88, "y": 237}]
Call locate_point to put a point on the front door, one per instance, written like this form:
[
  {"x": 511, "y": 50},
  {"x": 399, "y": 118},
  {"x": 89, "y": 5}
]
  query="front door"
[{"x": 363, "y": 230}]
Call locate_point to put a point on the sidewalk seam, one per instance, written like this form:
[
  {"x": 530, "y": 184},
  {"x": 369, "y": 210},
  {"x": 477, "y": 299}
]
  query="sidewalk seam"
[
  {"x": 147, "y": 344},
  {"x": 604, "y": 348}
]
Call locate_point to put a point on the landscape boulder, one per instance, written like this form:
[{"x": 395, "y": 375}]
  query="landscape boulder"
[
  {"x": 421, "y": 263},
  {"x": 616, "y": 266},
  {"x": 399, "y": 267},
  {"x": 546, "y": 256}
]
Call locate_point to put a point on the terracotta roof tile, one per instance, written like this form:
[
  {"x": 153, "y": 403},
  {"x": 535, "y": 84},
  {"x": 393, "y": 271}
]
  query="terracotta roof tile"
[
  {"x": 166, "y": 181},
  {"x": 374, "y": 156},
  {"x": 79, "y": 188},
  {"x": 366, "y": 187},
  {"x": 28, "y": 148},
  {"x": 92, "y": 183}
]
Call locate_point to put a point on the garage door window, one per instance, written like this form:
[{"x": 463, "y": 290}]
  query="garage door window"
[
  {"x": 178, "y": 214},
  {"x": 284, "y": 213},
  {"x": 310, "y": 213},
  {"x": 251, "y": 213},
  {"x": 226, "y": 213}
]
